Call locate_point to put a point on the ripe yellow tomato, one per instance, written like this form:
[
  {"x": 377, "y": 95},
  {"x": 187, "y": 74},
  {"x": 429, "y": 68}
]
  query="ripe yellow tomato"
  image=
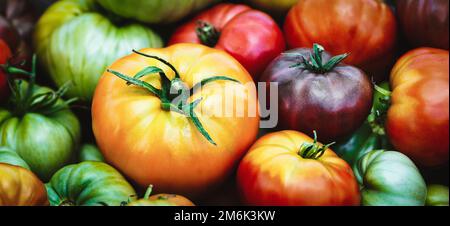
[{"x": 153, "y": 141}]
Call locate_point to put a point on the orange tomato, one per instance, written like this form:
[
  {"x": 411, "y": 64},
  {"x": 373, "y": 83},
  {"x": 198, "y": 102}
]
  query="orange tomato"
[
  {"x": 161, "y": 200},
  {"x": 417, "y": 121},
  {"x": 364, "y": 28},
  {"x": 151, "y": 145},
  {"x": 282, "y": 168},
  {"x": 20, "y": 187}
]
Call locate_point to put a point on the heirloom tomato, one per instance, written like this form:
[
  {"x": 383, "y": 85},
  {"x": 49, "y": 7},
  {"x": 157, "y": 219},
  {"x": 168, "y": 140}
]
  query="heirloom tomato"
[
  {"x": 389, "y": 178},
  {"x": 417, "y": 121},
  {"x": 161, "y": 200},
  {"x": 317, "y": 92},
  {"x": 38, "y": 124},
  {"x": 5, "y": 54},
  {"x": 437, "y": 195},
  {"x": 154, "y": 11},
  {"x": 278, "y": 7},
  {"x": 179, "y": 118},
  {"x": 88, "y": 184},
  {"x": 425, "y": 22},
  {"x": 75, "y": 42},
  {"x": 90, "y": 152},
  {"x": 364, "y": 28},
  {"x": 250, "y": 36},
  {"x": 20, "y": 187},
  {"x": 290, "y": 168}
]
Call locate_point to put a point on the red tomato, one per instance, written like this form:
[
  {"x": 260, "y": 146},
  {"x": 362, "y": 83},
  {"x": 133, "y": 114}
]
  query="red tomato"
[
  {"x": 5, "y": 53},
  {"x": 289, "y": 168},
  {"x": 364, "y": 28},
  {"x": 417, "y": 121},
  {"x": 250, "y": 36}
]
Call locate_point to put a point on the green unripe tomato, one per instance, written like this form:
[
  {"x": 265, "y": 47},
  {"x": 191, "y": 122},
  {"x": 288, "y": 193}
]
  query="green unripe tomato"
[{"x": 75, "y": 41}]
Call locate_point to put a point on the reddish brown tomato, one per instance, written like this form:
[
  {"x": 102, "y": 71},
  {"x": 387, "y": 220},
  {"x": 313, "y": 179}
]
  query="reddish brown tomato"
[
  {"x": 250, "y": 36},
  {"x": 364, "y": 28},
  {"x": 417, "y": 122},
  {"x": 283, "y": 168},
  {"x": 5, "y": 53},
  {"x": 424, "y": 22}
]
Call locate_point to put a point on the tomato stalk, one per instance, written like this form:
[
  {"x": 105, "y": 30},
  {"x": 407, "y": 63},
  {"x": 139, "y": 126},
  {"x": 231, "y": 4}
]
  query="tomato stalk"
[
  {"x": 378, "y": 115},
  {"x": 207, "y": 33},
  {"x": 174, "y": 94},
  {"x": 313, "y": 150},
  {"x": 316, "y": 64},
  {"x": 43, "y": 103}
]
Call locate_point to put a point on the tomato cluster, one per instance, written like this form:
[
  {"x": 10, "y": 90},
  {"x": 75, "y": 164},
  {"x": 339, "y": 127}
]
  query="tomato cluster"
[{"x": 121, "y": 98}]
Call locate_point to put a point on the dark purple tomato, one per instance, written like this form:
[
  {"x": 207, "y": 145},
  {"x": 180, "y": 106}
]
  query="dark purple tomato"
[
  {"x": 318, "y": 92},
  {"x": 425, "y": 22}
]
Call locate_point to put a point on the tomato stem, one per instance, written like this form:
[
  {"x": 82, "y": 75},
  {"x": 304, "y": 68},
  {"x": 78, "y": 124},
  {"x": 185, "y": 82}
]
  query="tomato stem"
[
  {"x": 315, "y": 62},
  {"x": 43, "y": 103},
  {"x": 174, "y": 94},
  {"x": 148, "y": 192},
  {"x": 207, "y": 33},
  {"x": 313, "y": 150}
]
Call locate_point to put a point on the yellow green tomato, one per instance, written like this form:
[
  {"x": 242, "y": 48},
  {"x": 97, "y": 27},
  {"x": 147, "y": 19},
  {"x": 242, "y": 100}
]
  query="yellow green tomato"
[
  {"x": 274, "y": 6},
  {"x": 75, "y": 41},
  {"x": 437, "y": 195},
  {"x": 154, "y": 11}
]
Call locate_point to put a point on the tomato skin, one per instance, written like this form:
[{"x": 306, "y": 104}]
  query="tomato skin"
[
  {"x": 46, "y": 142},
  {"x": 250, "y": 36},
  {"x": 5, "y": 53},
  {"x": 75, "y": 43},
  {"x": 155, "y": 11},
  {"x": 437, "y": 195},
  {"x": 163, "y": 200},
  {"x": 307, "y": 97},
  {"x": 279, "y": 7},
  {"x": 272, "y": 173},
  {"x": 364, "y": 28},
  {"x": 418, "y": 119},
  {"x": 89, "y": 183},
  {"x": 20, "y": 187},
  {"x": 380, "y": 186},
  {"x": 153, "y": 146},
  {"x": 425, "y": 22}
]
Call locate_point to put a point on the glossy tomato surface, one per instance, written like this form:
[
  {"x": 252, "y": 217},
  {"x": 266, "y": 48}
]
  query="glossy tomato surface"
[
  {"x": 273, "y": 173},
  {"x": 425, "y": 22},
  {"x": 5, "y": 53},
  {"x": 418, "y": 118},
  {"x": 250, "y": 36},
  {"x": 334, "y": 103},
  {"x": 364, "y": 28},
  {"x": 164, "y": 148},
  {"x": 20, "y": 187}
]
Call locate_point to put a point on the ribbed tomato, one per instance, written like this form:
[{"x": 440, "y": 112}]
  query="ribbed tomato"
[
  {"x": 289, "y": 168},
  {"x": 182, "y": 144},
  {"x": 364, "y": 28},
  {"x": 417, "y": 121},
  {"x": 20, "y": 187},
  {"x": 250, "y": 36}
]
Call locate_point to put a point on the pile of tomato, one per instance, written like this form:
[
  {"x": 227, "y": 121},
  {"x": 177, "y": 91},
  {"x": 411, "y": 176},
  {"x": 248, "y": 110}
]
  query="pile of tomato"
[{"x": 103, "y": 102}]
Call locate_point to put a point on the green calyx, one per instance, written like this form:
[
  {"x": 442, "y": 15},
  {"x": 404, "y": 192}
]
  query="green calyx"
[
  {"x": 316, "y": 64},
  {"x": 174, "y": 94},
  {"x": 313, "y": 150},
  {"x": 377, "y": 117},
  {"x": 207, "y": 33},
  {"x": 28, "y": 101}
]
